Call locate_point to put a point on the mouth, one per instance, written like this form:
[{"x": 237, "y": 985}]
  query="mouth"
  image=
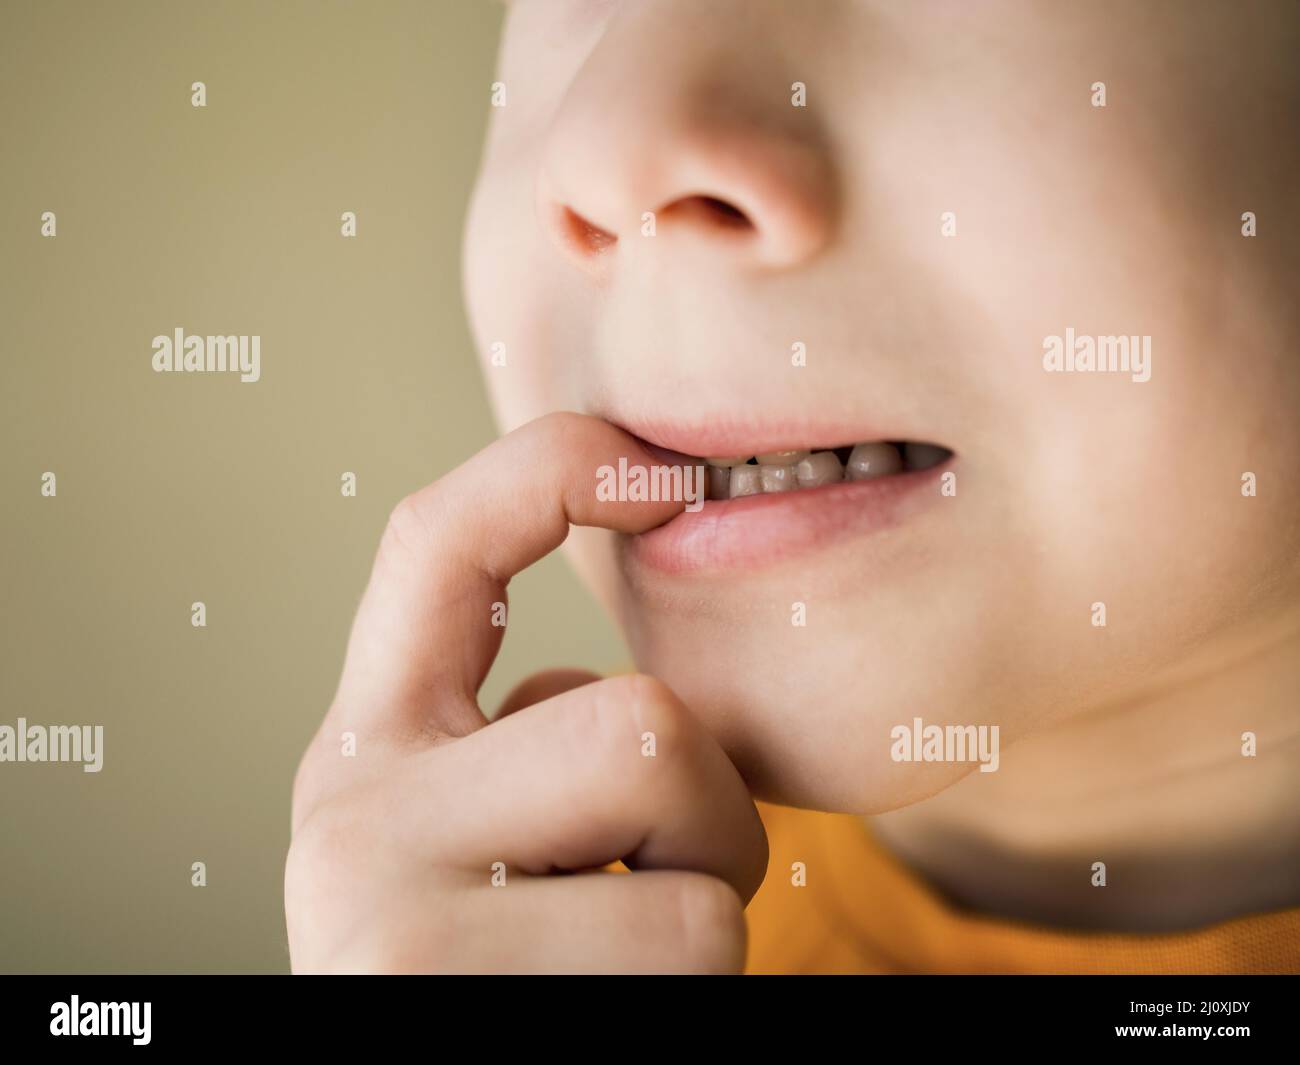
[
  {"x": 800, "y": 470},
  {"x": 777, "y": 504}
]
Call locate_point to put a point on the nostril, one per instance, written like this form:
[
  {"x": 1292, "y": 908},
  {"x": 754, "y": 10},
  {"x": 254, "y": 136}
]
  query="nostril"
[
  {"x": 587, "y": 242},
  {"x": 709, "y": 211},
  {"x": 726, "y": 213},
  {"x": 587, "y": 237}
]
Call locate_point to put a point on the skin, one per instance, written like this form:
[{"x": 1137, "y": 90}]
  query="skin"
[
  {"x": 1121, "y": 743},
  {"x": 393, "y": 849}
]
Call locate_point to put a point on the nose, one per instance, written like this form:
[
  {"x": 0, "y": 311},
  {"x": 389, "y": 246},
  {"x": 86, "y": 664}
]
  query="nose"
[{"x": 657, "y": 146}]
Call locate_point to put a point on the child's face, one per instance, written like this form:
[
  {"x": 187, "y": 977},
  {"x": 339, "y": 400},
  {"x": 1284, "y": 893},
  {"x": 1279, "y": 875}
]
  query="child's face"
[{"x": 1072, "y": 488}]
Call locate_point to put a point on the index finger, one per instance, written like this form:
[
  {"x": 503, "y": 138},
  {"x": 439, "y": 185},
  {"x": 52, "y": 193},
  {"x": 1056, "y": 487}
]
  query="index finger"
[{"x": 424, "y": 636}]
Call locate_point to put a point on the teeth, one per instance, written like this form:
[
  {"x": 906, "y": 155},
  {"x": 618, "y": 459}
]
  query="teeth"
[
  {"x": 719, "y": 485},
  {"x": 745, "y": 481},
  {"x": 923, "y": 456},
  {"x": 786, "y": 471},
  {"x": 781, "y": 458},
  {"x": 777, "y": 478},
  {"x": 868, "y": 461},
  {"x": 819, "y": 468}
]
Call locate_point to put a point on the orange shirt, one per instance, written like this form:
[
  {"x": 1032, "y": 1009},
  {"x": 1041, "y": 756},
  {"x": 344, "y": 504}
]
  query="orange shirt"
[{"x": 863, "y": 911}]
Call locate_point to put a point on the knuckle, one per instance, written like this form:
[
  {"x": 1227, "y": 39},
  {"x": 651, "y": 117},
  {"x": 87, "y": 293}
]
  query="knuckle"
[
  {"x": 711, "y": 918},
  {"x": 323, "y": 845},
  {"x": 304, "y": 790},
  {"x": 407, "y": 529},
  {"x": 315, "y": 779},
  {"x": 355, "y": 903},
  {"x": 337, "y": 842},
  {"x": 631, "y": 706},
  {"x": 650, "y": 702},
  {"x": 324, "y": 875},
  {"x": 562, "y": 425}
]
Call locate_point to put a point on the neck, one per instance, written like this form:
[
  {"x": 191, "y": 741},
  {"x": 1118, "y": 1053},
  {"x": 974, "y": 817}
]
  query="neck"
[{"x": 1163, "y": 789}]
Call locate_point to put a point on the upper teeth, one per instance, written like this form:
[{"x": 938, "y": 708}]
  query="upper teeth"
[
  {"x": 822, "y": 468},
  {"x": 785, "y": 471}
]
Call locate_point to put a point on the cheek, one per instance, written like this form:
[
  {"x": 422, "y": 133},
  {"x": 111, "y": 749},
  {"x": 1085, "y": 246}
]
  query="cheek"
[
  {"x": 508, "y": 306},
  {"x": 1143, "y": 483}
]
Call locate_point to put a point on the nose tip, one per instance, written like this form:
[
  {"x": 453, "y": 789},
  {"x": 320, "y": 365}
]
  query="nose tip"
[{"x": 746, "y": 193}]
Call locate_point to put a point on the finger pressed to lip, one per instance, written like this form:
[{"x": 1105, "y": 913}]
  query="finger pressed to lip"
[{"x": 429, "y": 623}]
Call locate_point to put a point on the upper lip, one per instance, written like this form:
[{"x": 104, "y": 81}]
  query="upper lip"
[{"x": 725, "y": 436}]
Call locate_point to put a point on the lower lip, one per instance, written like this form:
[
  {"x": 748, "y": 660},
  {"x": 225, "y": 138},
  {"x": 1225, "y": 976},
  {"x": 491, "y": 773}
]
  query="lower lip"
[{"x": 766, "y": 529}]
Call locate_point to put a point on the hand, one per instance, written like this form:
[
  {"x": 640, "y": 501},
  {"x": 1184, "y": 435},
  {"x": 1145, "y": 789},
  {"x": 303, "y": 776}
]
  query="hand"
[{"x": 396, "y": 848}]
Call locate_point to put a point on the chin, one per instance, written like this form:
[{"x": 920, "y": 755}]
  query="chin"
[{"x": 806, "y": 734}]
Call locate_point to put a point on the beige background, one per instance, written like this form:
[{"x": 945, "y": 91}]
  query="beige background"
[{"x": 177, "y": 488}]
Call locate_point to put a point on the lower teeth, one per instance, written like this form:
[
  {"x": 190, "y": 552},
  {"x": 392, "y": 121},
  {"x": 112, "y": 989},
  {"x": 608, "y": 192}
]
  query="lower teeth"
[{"x": 787, "y": 471}]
